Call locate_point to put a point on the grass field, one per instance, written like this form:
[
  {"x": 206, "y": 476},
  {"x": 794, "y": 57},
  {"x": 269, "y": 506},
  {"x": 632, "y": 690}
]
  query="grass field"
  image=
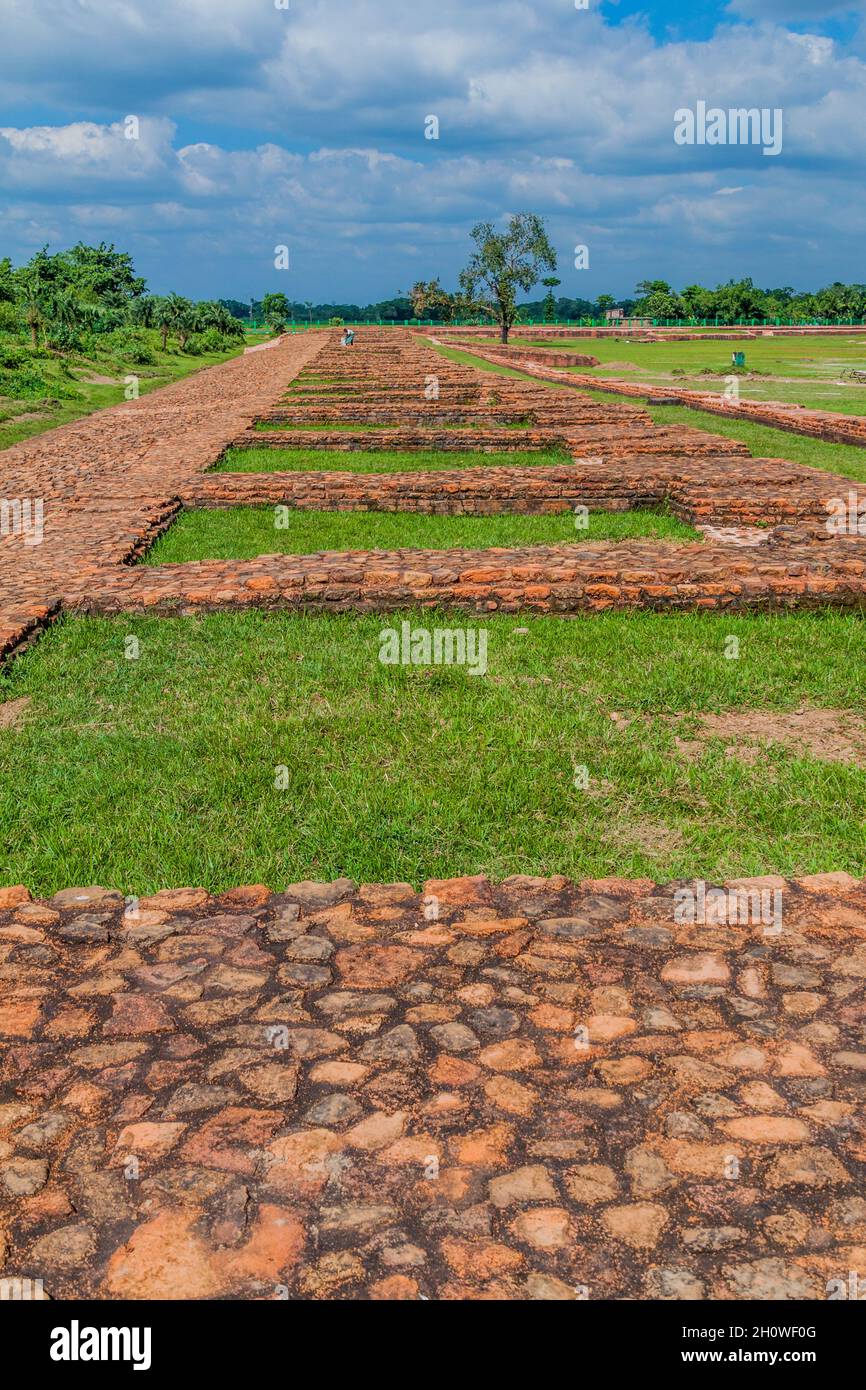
[
  {"x": 142, "y": 773},
  {"x": 271, "y": 746},
  {"x": 380, "y": 461},
  {"x": 803, "y": 370},
  {"x": 242, "y": 532}
]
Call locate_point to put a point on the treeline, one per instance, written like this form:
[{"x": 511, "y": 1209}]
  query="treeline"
[
  {"x": 305, "y": 311},
  {"x": 743, "y": 300},
  {"x": 89, "y": 297},
  {"x": 735, "y": 301}
]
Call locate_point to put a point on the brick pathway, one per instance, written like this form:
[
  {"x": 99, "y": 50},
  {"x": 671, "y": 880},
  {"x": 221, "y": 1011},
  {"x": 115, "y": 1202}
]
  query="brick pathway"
[
  {"x": 110, "y": 483},
  {"x": 105, "y": 481},
  {"x": 534, "y": 1090}
]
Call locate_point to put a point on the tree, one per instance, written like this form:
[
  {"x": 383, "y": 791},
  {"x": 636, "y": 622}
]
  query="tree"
[
  {"x": 66, "y": 313},
  {"x": 603, "y": 303},
  {"x": 161, "y": 313},
  {"x": 276, "y": 309},
  {"x": 659, "y": 301},
  {"x": 430, "y": 301},
  {"x": 143, "y": 311},
  {"x": 34, "y": 318},
  {"x": 502, "y": 264},
  {"x": 103, "y": 273},
  {"x": 7, "y": 281},
  {"x": 180, "y": 313},
  {"x": 700, "y": 303},
  {"x": 550, "y": 282}
]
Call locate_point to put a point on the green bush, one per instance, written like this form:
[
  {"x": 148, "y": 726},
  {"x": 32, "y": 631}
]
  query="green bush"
[
  {"x": 26, "y": 385},
  {"x": 63, "y": 339},
  {"x": 130, "y": 344},
  {"x": 10, "y": 320},
  {"x": 212, "y": 340},
  {"x": 13, "y": 354}
]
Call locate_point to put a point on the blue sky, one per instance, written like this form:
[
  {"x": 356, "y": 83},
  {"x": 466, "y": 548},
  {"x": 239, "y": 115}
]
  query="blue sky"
[{"x": 303, "y": 126}]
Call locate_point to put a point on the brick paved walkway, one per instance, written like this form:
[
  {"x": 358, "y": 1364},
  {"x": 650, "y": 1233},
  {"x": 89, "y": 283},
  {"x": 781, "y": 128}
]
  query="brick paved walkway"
[
  {"x": 537, "y": 1090},
  {"x": 110, "y": 483},
  {"x": 107, "y": 480}
]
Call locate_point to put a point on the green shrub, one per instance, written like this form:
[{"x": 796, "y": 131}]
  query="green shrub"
[
  {"x": 24, "y": 385},
  {"x": 212, "y": 340},
  {"x": 63, "y": 339},
  {"x": 13, "y": 354},
  {"x": 130, "y": 344}
]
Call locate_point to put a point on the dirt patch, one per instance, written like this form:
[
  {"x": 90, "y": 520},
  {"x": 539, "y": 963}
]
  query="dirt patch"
[
  {"x": 96, "y": 380},
  {"x": 12, "y": 712},
  {"x": 829, "y": 735},
  {"x": 650, "y": 837}
]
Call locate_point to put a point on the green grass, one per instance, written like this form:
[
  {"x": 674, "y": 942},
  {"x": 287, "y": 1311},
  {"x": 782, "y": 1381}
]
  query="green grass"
[
  {"x": 802, "y": 370},
  {"x": 242, "y": 532},
  {"x": 384, "y": 461},
  {"x": 762, "y": 440},
  {"x": 160, "y": 771},
  {"x": 469, "y": 360},
  {"x": 765, "y": 442}
]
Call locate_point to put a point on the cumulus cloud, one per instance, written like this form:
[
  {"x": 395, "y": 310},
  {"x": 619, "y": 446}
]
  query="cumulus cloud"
[{"x": 259, "y": 126}]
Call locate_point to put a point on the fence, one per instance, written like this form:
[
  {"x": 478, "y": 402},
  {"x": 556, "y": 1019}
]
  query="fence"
[{"x": 302, "y": 324}]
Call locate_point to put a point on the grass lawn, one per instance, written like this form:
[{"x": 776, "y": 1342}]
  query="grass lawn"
[
  {"x": 239, "y": 533},
  {"x": 161, "y": 771},
  {"x": 804, "y": 370},
  {"x": 380, "y": 461}
]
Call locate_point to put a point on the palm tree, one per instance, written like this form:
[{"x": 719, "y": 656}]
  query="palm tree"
[
  {"x": 143, "y": 311},
  {"x": 34, "y": 317},
  {"x": 162, "y": 317},
  {"x": 180, "y": 314}
]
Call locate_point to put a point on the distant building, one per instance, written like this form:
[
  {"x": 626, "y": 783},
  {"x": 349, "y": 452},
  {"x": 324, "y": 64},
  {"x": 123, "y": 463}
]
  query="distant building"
[{"x": 616, "y": 318}]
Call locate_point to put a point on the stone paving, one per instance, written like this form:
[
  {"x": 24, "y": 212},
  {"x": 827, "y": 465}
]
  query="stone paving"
[{"x": 536, "y": 1090}]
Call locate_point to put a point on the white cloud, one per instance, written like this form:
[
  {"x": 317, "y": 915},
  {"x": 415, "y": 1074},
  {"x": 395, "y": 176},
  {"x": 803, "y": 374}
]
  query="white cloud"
[{"x": 540, "y": 106}]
